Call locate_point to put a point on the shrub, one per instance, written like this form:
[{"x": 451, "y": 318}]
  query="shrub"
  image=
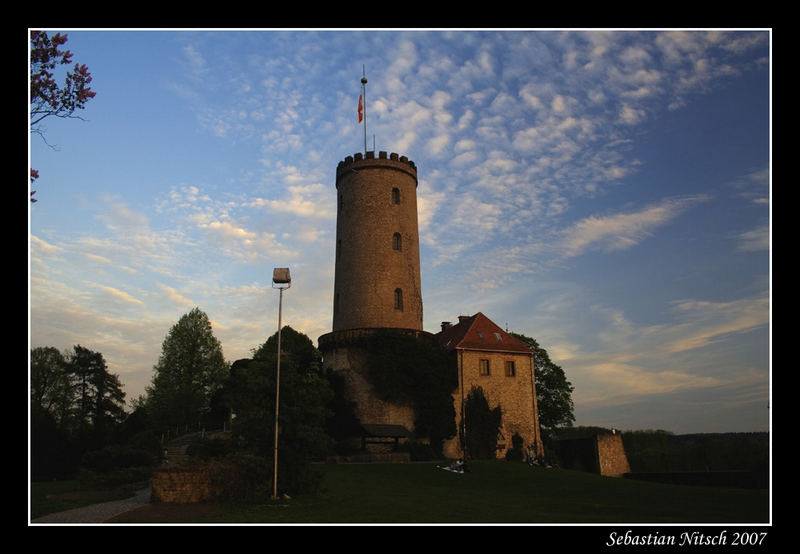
[
  {"x": 114, "y": 478},
  {"x": 419, "y": 451},
  {"x": 116, "y": 457},
  {"x": 514, "y": 454},
  {"x": 147, "y": 441},
  {"x": 242, "y": 477},
  {"x": 481, "y": 426},
  {"x": 206, "y": 449}
]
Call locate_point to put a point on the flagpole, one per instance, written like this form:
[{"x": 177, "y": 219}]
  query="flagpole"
[{"x": 364, "y": 108}]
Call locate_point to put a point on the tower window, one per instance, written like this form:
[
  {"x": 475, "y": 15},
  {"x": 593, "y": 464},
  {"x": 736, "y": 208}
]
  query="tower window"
[
  {"x": 483, "y": 367},
  {"x": 395, "y": 195},
  {"x": 397, "y": 241},
  {"x": 398, "y": 299}
]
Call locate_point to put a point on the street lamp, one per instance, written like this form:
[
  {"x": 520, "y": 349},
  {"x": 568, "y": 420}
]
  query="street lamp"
[{"x": 281, "y": 279}]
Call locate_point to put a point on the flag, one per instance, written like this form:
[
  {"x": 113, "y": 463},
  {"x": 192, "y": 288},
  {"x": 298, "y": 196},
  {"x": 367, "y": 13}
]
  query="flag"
[{"x": 360, "y": 108}]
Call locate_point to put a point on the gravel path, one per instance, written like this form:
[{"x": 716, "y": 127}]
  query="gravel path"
[{"x": 98, "y": 513}]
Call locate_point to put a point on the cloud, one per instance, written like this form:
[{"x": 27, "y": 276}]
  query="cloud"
[
  {"x": 712, "y": 322},
  {"x": 755, "y": 240},
  {"x": 314, "y": 200},
  {"x": 621, "y": 231},
  {"x": 121, "y": 295},
  {"x": 175, "y": 297}
]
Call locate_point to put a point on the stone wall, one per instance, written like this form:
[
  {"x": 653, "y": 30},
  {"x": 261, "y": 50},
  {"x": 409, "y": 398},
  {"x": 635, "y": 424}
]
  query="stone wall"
[
  {"x": 182, "y": 485},
  {"x": 350, "y": 362},
  {"x": 612, "y": 460},
  {"x": 603, "y": 454}
]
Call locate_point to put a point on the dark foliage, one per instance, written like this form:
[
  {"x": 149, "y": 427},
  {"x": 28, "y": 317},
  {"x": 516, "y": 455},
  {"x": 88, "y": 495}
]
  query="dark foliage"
[
  {"x": 415, "y": 372},
  {"x": 553, "y": 390},
  {"x": 481, "y": 426},
  {"x": 304, "y": 397},
  {"x": 116, "y": 457},
  {"x": 341, "y": 423},
  {"x": 515, "y": 453},
  {"x": 661, "y": 451},
  {"x": 76, "y": 406}
]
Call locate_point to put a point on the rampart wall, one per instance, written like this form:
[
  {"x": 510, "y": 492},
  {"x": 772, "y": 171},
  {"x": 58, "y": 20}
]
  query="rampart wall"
[
  {"x": 183, "y": 485},
  {"x": 603, "y": 454}
]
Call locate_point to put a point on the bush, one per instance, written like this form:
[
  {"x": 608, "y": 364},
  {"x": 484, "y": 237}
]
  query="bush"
[
  {"x": 242, "y": 477},
  {"x": 116, "y": 457},
  {"x": 115, "y": 478},
  {"x": 514, "y": 454},
  {"x": 207, "y": 449},
  {"x": 481, "y": 426},
  {"x": 147, "y": 441},
  {"x": 418, "y": 451}
]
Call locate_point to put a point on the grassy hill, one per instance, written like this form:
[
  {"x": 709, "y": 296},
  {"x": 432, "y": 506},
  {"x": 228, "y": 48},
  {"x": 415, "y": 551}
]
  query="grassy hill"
[{"x": 492, "y": 492}]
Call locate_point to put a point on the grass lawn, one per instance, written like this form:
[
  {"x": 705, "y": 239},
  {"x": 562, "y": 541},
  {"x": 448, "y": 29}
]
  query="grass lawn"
[{"x": 493, "y": 492}]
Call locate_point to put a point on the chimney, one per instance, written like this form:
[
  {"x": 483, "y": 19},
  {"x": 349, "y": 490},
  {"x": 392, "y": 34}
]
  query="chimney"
[
  {"x": 463, "y": 318},
  {"x": 446, "y": 325}
]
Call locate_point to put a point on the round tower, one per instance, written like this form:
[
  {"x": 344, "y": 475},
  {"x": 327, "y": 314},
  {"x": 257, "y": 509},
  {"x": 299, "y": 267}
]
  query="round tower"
[{"x": 377, "y": 280}]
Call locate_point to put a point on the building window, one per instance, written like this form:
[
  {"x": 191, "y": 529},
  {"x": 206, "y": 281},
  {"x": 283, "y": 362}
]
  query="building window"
[
  {"x": 397, "y": 241},
  {"x": 483, "y": 366},
  {"x": 511, "y": 370},
  {"x": 395, "y": 195},
  {"x": 398, "y": 299}
]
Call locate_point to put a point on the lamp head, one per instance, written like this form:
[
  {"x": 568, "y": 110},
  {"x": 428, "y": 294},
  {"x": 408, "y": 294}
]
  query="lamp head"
[{"x": 281, "y": 277}]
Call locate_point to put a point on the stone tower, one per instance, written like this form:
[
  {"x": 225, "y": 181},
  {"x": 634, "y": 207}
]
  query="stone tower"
[{"x": 377, "y": 282}]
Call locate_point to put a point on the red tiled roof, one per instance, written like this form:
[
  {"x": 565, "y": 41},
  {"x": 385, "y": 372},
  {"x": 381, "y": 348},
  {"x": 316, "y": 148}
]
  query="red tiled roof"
[{"x": 478, "y": 332}]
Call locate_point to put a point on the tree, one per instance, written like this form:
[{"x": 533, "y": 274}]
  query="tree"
[
  {"x": 75, "y": 405},
  {"x": 46, "y": 96},
  {"x": 553, "y": 390},
  {"x": 189, "y": 371},
  {"x": 98, "y": 397},
  {"x": 51, "y": 392},
  {"x": 304, "y": 398},
  {"x": 481, "y": 426}
]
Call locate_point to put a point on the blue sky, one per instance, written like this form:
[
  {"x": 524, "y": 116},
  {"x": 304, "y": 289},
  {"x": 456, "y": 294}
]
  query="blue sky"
[{"x": 606, "y": 192}]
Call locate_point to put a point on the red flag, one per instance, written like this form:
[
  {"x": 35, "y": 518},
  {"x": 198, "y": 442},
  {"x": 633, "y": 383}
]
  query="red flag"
[{"x": 360, "y": 108}]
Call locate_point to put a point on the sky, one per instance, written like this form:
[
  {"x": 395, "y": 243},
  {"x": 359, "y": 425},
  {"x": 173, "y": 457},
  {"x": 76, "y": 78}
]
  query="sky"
[{"x": 607, "y": 192}]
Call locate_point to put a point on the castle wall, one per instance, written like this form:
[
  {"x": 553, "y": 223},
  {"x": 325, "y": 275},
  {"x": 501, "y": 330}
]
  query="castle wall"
[
  {"x": 183, "y": 486},
  {"x": 350, "y": 362},
  {"x": 603, "y": 454},
  {"x": 611, "y": 456}
]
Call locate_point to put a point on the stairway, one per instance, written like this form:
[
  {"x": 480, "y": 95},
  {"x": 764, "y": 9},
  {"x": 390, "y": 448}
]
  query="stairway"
[{"x": 176, "y": 449}]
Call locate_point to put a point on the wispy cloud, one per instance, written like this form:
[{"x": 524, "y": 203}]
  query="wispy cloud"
[{"x": 622, "y": 231}]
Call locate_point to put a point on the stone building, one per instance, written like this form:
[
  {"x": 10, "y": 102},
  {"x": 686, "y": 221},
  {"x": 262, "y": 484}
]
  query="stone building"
[
  {"x": 377, "y": 278},
  {"x": 503, "y": 366},
  {"x": 377, "y": 286}
]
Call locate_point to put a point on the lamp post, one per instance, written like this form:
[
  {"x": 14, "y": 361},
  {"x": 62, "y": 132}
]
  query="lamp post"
[{"x": 281, "y": 280}]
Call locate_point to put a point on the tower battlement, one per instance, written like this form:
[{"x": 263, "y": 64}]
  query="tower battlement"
[{"x": 360, "y": 161}]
